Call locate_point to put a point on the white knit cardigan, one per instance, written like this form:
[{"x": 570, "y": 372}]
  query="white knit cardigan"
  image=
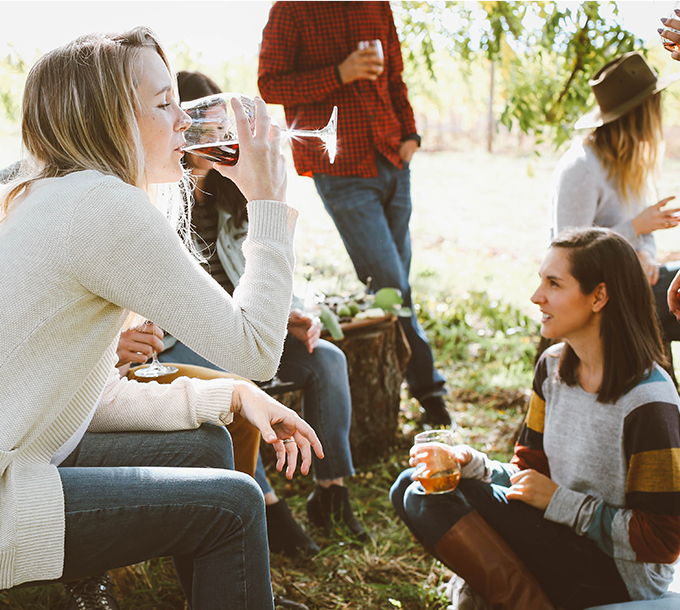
[{"x": 76, "y": 255}]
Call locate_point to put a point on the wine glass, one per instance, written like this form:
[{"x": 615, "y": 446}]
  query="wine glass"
[
  {"x": 155, "y": 369},
  {"x": 375, "y": 46},
  {"x": 213, "y": 135}
]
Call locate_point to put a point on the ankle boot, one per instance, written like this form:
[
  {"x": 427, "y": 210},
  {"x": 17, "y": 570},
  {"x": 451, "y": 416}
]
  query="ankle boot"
[
  {"x": 329, "y": 505},
  {"x": 478, "y": 554},
  {"x": 436, "y": 414},
  {"x": 284, "y": 532},
  {"x": 93, "y": 593}
]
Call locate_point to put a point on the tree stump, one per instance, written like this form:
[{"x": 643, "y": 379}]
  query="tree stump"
[{"x": 377, "y": 356}]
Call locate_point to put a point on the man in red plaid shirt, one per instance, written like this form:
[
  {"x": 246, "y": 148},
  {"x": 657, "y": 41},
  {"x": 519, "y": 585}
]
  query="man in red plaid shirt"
[{"x": 310, "y": 62}]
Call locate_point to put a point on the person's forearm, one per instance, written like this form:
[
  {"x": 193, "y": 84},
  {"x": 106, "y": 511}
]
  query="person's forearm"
[
  {"x": 244, "y": 335},
  {"x": 183, "y": 404}
]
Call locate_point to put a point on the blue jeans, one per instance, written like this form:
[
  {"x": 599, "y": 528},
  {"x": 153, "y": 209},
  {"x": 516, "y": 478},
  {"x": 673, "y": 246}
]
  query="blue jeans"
[
  {"x": 571, "y": 569},
  {"x": 372, "y": 216},
  {"x": 327, "y": 405},
  {"x": 136, "y": 495}
]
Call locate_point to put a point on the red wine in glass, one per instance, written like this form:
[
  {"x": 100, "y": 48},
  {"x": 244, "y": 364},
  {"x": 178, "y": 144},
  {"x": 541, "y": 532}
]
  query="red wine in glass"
[{"x": 220, "y": 152}]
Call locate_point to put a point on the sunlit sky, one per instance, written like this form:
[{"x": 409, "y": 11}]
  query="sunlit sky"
[{"x": 219, "y": 29}]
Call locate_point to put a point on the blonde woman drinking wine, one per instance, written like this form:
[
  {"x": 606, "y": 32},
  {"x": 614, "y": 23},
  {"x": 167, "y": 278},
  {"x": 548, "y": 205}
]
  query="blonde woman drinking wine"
[{"x": 97, "y": 471}]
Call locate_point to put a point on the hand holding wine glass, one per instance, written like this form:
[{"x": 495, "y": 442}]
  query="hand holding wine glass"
[
  {"x": 365, "y": 63},
  {"x": 670, "y": 33},
  {"x": 137, "y": 344},
  {"x": 227, "y": 125},
  {"x": 155, "y": 369},
  {"x": 262, "y": 172}
]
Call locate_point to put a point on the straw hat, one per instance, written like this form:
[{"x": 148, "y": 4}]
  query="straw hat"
[{"x": 620, "y": 86}]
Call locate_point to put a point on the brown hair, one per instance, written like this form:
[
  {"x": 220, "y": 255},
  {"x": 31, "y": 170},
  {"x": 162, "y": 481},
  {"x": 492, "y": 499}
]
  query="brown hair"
[
  {"x": 630, "y": 336},
  {"x": 629, "y": 148}
]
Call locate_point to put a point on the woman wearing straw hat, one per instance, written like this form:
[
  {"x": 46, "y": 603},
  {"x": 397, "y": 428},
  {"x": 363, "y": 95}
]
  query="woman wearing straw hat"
[{"x": 607, "y": 179}]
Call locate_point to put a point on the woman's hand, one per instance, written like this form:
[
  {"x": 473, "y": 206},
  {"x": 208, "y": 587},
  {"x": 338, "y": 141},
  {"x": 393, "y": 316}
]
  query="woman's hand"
[
  {"x": 532, "y": 488},
  {"x": 670, "y": 35},
  {"x": 674, "y": 296},
  {"x": 429, "y": 456},
  {"x": 649, "y": 266},
  {"x": 138, "y": 344},
  {"x": 280, "y": 426},
  {"x": 260, "y": 172},
  {"x": 654, "y": 218},
  {"x": 305, "y": 329}
]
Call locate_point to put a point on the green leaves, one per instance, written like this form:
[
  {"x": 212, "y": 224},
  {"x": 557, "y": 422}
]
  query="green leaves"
[
  {"x": 330, "y": 322},
  {"x": 389, "y": 299},
  {"x": 13, "y": 71},
  {"x": 544, "y": 53},
  {"x": 486, "y": 343}
]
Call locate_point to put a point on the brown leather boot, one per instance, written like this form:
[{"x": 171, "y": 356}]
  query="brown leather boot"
[{"x": 477, "y": 553}]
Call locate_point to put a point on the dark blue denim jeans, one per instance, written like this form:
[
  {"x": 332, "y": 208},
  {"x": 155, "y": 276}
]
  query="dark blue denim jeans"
[
  {"x": 133, "y": 496},
  {"x": 571, "y": 569},
  {"x": 327, "y": 405},
  {"x": 372, "y": 216}
]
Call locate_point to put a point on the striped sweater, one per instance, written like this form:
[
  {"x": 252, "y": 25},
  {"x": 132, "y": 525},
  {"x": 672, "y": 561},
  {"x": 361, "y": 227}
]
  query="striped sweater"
[{"x": 617, "y": 467}]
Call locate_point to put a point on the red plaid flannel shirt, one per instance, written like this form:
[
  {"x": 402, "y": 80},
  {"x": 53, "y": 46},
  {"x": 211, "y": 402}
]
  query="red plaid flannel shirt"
[{"x": 302, "y": 44}]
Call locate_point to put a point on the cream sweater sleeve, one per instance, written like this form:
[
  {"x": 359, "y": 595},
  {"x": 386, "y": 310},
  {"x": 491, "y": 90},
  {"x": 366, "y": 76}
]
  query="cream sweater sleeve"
[
  {"x": 122, "y": 249},
  {"x": 183, "y": 404}
]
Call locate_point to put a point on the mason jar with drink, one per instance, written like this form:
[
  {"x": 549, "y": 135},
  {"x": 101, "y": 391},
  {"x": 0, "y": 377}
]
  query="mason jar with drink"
[{"x": 437, "y": 468}]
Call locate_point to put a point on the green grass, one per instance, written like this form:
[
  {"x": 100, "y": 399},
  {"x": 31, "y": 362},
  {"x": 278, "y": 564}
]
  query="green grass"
[{"x": 479, "y": 229}]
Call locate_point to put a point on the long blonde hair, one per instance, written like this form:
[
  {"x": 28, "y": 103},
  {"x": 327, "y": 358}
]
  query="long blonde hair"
[
  {"x": 79, "y": 113},
  {"x": 631, "y": 147}
]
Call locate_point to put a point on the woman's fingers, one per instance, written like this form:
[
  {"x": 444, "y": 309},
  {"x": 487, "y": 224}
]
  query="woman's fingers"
[
  {"x": 673, "y": 297},
  {"x": 261, "y": 169},
  {"x": 280, "y": 427},
  {"x": 243, "y": 128},
  {"x": 287, "y": 452},
  {"x": 306, "y": 451}
]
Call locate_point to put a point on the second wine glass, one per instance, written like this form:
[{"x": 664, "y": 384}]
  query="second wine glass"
[{"x": 155, "y": 369}]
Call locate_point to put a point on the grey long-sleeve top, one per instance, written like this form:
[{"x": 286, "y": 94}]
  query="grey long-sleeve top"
[{"x": 583, "y": 196}]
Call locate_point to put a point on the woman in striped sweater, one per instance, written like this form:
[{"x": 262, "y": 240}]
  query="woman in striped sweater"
[{"x": 588, "y": 510}]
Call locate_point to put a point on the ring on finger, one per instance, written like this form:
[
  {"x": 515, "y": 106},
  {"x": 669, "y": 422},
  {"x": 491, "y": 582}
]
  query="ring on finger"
[{"x": 288, "y": 440}]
